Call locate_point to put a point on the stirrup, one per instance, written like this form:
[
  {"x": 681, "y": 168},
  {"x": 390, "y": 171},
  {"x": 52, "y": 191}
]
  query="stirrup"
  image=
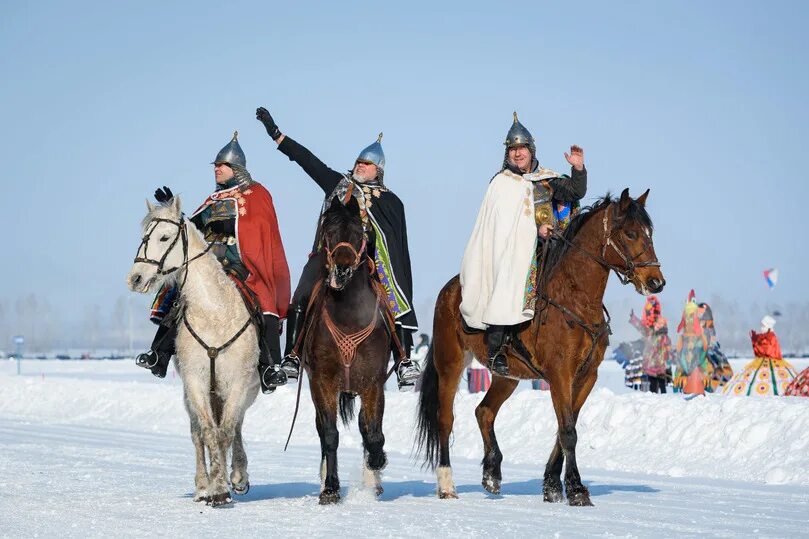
[
  {"x": 271, "y": 377},
  {"x": 407, "y": 374},
  {"x": 291, "y": 366},
  {"x": 147, "y": 360},
  {"x": 498, "y": 363}
]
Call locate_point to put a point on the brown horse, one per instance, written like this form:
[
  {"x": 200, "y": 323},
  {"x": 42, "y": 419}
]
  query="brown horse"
[
  {"x": 565, "y": 340},
  {"x": 346, "y": 347}
]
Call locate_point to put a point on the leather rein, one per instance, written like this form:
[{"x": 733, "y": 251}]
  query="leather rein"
[{"x": 182, "y": 235}]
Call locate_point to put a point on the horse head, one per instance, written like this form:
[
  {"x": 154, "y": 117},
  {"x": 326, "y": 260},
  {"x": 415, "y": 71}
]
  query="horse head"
[
  {"x": 343, "y": 241},
  {"x": 163, "y": 248},
  {"x": 628, "y": 247}
]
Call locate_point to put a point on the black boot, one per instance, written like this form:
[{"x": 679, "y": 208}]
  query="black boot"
[
  {"x": 157, "y": 359},
  {"x": 291, "y": 364},
  {"x": 269, "y": 373},
  {"x": 408, "y": 371},
  {"x": 495, "y": 340}
]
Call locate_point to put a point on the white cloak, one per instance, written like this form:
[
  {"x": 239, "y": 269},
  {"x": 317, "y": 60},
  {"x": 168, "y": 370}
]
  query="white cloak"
[{"x": 498, "y": 257}]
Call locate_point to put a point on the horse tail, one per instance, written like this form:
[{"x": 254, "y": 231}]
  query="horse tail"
[
  {"x": 347, "y": 407},
  {"x": 427, "y": 428}
]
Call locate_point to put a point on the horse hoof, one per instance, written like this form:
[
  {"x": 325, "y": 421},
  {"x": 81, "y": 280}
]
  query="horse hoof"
[
  {"x": 379, "y": 490},
  {"x": 491, "y": 485},
  {"x": 552, "y": 492},
  {"x": 201, "y": 496},
  {"x": 447, "y": 495},
  {"x": 218, "y": 500},
  {"x": 328, "y": 497},
  {"x": 241, "y": 490},
  {"x": 579, "y": 498}
]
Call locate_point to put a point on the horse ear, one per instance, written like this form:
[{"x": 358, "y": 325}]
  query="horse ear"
[
  {"x": 623, "y": 202},
  {"x": 642, "y": 199},
  {"x": 353, "y": 205},
  {"x": 149, "y": 206},
  {"x": 175, "y": 203}
]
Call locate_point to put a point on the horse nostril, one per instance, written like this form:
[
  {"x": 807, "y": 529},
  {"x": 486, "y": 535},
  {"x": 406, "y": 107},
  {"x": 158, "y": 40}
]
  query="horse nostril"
[
  {"x": 136, "y": 279},
  {"x": 655, "y": 285}
]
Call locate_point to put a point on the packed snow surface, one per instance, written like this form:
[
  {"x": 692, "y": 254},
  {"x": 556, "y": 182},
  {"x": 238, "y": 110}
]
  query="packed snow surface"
[{"x": 102, "y": 448}]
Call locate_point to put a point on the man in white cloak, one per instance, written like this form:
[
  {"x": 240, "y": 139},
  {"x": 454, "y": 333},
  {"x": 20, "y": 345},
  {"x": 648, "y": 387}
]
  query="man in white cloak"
[{"x": 523, "y": 203}]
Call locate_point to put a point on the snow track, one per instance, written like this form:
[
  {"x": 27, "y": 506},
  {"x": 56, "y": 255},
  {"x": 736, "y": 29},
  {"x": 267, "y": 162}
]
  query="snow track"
[{"x": 111, "y": 455}]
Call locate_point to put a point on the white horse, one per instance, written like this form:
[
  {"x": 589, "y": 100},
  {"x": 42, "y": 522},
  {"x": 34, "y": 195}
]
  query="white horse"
[{"x": 220, "y": 382}]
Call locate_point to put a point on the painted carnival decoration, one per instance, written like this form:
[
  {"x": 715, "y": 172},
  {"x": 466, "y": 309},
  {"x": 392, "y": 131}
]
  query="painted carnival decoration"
[
  {"x": 691, "y": 355},
  {"x": 769, "y": 373},
  {"x": 654, "y": 328},
  {"x": 722, "y": 371}
]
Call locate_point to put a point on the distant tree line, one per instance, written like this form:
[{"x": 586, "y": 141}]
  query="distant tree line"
[{"x": 47, "y": 329}]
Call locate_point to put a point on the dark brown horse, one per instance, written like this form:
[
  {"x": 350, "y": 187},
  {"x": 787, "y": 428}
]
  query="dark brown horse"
[
  {"x": 566, "y": 340},
  {"x": 346, "y": 347}
]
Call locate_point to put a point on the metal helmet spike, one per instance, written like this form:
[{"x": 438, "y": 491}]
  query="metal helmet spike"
[{"x": 232, "y": 153}]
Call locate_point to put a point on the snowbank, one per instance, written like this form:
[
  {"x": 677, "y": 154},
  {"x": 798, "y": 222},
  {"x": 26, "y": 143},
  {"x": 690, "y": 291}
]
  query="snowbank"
[{"x": 743, "y": 439}]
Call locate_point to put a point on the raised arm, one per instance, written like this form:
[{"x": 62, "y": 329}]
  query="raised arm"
[
  {"x": 574, "y": 187},
  {"x": 324, "y": 176}
]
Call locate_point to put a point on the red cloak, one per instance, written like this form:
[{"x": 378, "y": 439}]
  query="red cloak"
[{"x": 259, "y": 243}]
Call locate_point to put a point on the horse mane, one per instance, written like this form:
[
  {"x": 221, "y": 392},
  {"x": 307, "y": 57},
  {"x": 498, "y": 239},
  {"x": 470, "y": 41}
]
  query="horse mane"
[{"x": 636, "y": 212}]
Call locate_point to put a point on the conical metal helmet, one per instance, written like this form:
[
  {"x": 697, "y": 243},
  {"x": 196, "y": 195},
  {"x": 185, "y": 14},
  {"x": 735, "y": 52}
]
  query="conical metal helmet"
[
  {"x": 232, "y": 153},
  {"x": 518, "y": 135},
  {"x": 373, "y": 154}
]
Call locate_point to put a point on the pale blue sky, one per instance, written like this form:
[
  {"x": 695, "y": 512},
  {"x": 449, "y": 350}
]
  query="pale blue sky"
[{"x": 703, "y": 102}]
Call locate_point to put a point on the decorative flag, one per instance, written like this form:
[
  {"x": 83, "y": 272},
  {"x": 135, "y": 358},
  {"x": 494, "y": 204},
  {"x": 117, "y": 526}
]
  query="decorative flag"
[{"x": 771, "y": 276}]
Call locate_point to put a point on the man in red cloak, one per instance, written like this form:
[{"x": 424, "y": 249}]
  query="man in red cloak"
[{"x": 238, "y": 219}]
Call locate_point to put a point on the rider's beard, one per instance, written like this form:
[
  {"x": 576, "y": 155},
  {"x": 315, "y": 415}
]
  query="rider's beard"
[{"x": 362, "y": 179}]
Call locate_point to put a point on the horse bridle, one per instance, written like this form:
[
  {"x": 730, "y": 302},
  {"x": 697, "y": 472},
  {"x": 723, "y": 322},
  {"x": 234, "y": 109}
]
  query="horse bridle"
[
  {"x": 330, "y": 264},
  {"x": 624, "y": 275}
]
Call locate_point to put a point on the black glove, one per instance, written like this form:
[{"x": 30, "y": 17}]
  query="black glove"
[
  {"x": 264, "y": 116},
  {"x": 163, "y": 195}
]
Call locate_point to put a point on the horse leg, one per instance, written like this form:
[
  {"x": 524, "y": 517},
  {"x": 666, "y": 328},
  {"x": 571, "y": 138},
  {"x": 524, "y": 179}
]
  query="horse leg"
[
  {"x": 201, "y": 476},
  {"x": 449, "y": 376},
  {"x": 218, "y": 490},
  {"x": 552, "y": 481},
  {"x": 239, "y": 478},
  {"x": 198, "y": 400},
  {"x": 500, "y": 390},
  {"x": 373, "y": 439},
  {"x": 241, "y": 394},
  {"x": 326, "y": 420},
  {"x": 577, "y": 493}
]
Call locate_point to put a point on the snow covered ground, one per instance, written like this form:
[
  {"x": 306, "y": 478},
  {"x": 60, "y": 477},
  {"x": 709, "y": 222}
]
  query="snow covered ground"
[{"x": 95, "y": 448}]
